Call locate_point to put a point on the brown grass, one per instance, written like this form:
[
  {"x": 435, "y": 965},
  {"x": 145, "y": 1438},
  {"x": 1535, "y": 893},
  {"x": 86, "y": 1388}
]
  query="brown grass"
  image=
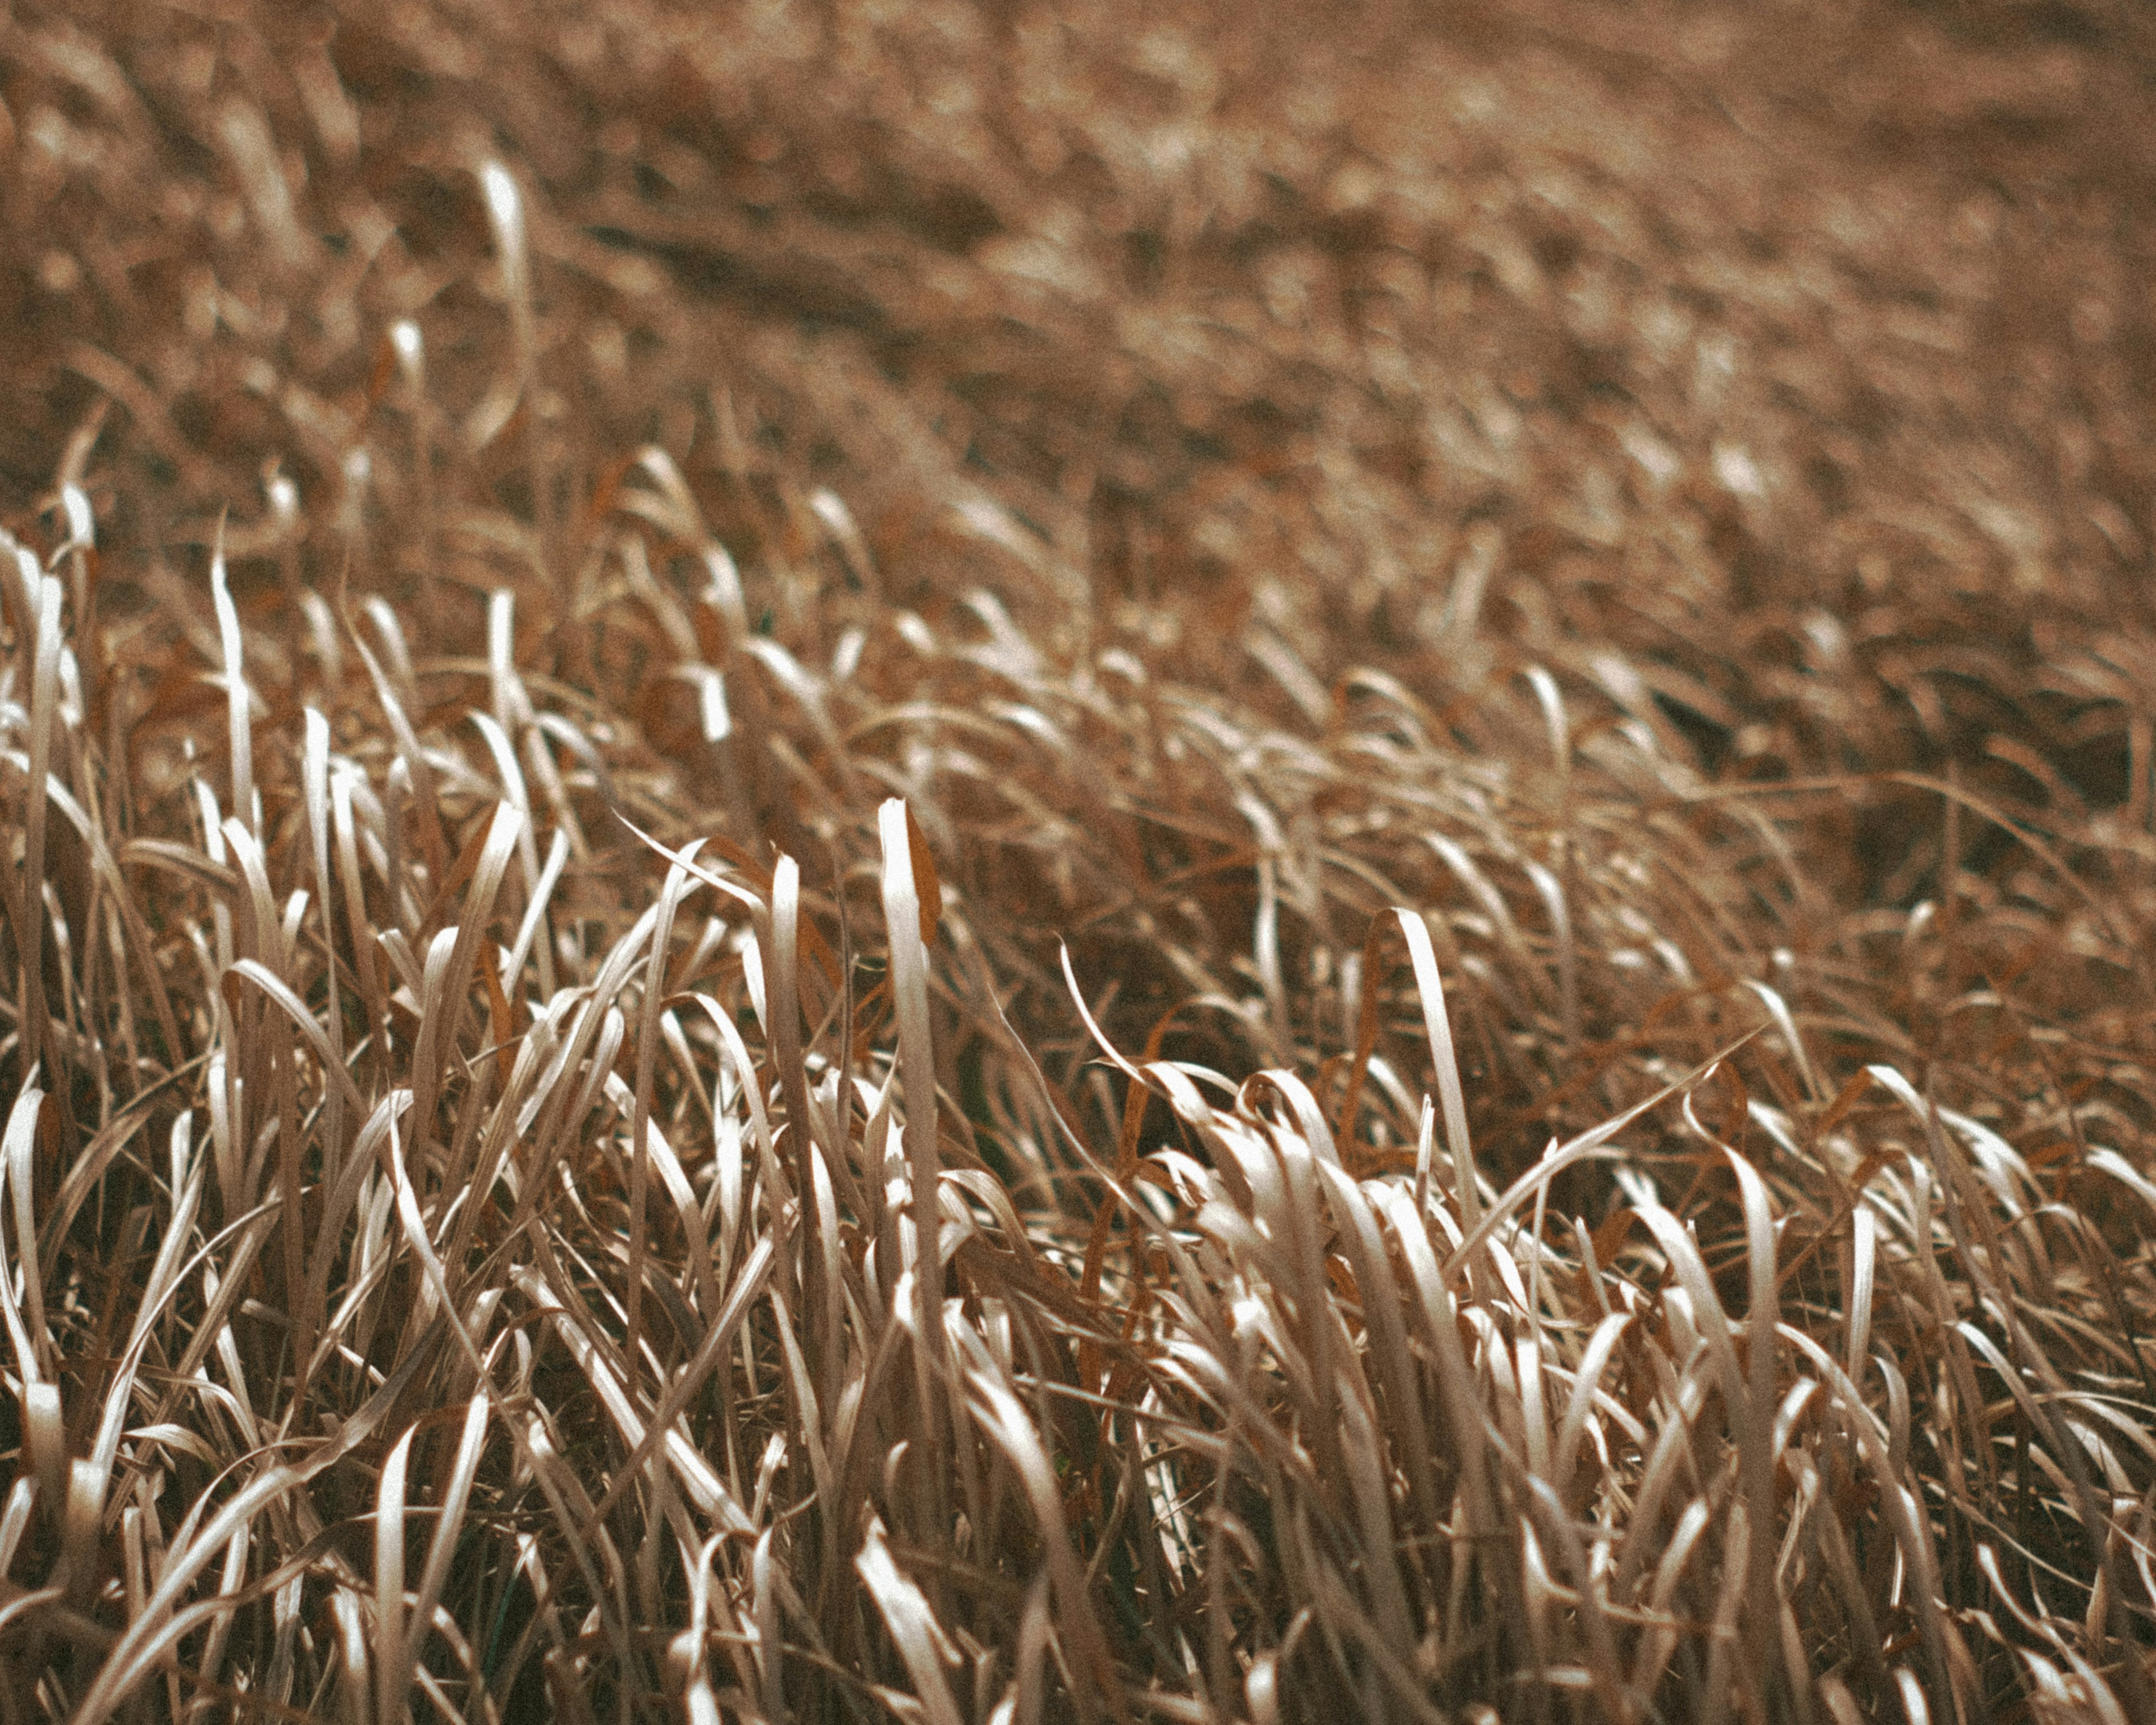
[{"x": 1433, "y": 732}]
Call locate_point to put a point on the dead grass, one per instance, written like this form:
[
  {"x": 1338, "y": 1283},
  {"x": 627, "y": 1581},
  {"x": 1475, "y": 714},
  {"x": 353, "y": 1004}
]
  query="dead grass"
[{"x": 1434, "y": 736}]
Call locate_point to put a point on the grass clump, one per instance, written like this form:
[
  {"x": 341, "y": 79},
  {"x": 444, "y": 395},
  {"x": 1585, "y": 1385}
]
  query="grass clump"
[{"x": 989, "y": 867}]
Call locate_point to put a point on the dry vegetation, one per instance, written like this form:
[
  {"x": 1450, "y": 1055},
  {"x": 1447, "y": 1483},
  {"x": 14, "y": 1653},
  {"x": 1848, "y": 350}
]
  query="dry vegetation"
[{"x": 1436, "y": 733}]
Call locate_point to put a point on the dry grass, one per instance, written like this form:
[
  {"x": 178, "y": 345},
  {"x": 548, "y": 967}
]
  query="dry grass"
[{"x": 1434, "y": 736}]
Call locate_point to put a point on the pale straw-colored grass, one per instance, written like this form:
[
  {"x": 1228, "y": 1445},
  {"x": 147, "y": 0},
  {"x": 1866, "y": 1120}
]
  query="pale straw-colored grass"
[{"x": 892, "y": 939}]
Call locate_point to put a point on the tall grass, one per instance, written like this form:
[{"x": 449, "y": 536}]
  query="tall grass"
[{"x": 652, "y": 1070}]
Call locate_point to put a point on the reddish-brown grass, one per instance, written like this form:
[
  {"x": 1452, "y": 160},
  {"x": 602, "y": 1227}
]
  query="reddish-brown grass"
[{"x": 1429, "y": 728}]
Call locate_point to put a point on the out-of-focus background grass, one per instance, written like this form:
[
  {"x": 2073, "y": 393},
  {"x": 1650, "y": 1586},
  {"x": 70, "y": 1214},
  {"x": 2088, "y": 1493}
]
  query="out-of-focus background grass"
[{"x": 1800, "y": 349}]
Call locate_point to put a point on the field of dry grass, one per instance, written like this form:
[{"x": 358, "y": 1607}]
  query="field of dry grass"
[{"x": 1005, "y": 863}]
